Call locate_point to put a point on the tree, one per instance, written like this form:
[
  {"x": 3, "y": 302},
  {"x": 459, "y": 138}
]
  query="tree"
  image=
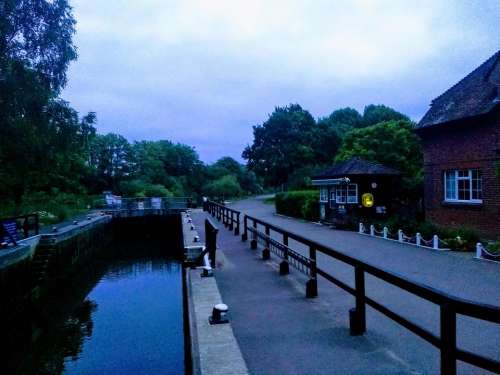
[
  {"x": 375, "y": 114},
  {"x": 224, "y": 187},
  {"x": 111, "y": 161},
  {"x": 391, "y": 143},
  {"x": 37, "y": 34},
  {"x": 342, "y": 120},
  {"x": 281, "y": 144}
]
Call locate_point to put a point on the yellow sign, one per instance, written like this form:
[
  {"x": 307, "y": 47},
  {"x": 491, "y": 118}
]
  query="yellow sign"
[{"x": 367, "y": 200}]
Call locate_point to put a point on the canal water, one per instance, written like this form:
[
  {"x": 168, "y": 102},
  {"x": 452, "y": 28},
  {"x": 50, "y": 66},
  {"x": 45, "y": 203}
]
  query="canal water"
[{"x": 126, "y": 318}]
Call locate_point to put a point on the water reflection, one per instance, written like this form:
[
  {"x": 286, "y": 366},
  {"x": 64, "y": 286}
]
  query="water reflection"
[{"x": 126, "y": 318}]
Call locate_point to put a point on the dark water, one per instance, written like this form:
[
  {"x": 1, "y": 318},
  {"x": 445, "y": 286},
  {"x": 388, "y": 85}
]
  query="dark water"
[{"x": 128, "y": 320}]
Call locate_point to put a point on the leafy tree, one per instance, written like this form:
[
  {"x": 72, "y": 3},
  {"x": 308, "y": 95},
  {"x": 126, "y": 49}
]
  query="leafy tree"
[
  {"x": 111, "y": 161},
  {"x": 224, "y": 187},
  {"x": 391, "y": 143},
  {"x": 281, "y": 144},
  {"x": 37, "y": 35},
  {"x": 341, "y": 121},
  {"x": 375, "y": 114}
]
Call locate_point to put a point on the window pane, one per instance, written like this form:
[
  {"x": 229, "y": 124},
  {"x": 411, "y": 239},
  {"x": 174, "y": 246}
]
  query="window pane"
[
  {"x": 464, "y": 190},
  {"x": 352, "y": 196},
  {"x": 450, "y": 180},
  {"x": 477, "y": 189}
]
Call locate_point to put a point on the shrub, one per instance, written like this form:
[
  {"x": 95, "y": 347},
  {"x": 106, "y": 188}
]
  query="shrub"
[{"x": 302, "y": 204}]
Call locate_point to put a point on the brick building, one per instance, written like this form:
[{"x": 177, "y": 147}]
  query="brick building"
[{"x": 461, "y": 141}]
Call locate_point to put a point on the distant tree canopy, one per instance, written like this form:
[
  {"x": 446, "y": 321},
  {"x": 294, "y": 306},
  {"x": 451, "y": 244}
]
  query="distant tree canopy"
[
  {"x": 290, "y": 146},
  {"x": 287, "y": 141},
  {"x": 391, "y": 143}
]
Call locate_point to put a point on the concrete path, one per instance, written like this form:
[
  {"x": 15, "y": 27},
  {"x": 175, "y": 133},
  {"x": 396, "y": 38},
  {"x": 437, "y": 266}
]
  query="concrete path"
[
  {"x": 455, "y": 273},
  {"x": 280, "y": 331}
]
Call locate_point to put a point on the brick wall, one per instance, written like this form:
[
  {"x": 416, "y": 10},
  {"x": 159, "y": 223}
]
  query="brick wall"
[{"x": 463, "y": 146}]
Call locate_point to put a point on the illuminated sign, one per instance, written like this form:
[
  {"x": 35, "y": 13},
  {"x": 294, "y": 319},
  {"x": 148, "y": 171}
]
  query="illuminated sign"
[{"x": 367, "y": 200}]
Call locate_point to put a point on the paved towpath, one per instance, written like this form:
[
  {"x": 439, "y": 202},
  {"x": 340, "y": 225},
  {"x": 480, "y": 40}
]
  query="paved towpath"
[
  {"x": 455, "y": 273},
  {"x": 278, "y": 330}
]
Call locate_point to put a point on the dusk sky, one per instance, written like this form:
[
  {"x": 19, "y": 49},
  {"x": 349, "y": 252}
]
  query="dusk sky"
[{"x": 203, "y": 72}]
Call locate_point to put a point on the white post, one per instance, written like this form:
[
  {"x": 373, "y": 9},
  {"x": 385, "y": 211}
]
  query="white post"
[
  {"x": 400, "y": 235},
  {"x": 479, "y": 250},
  {"x": 372, "y": 230},
  {"x": 435, "y": 242},
  {"x": 386, "y": 230},
  {"x": 361, "y": 228},
  {"x": 418, "y": 238}
]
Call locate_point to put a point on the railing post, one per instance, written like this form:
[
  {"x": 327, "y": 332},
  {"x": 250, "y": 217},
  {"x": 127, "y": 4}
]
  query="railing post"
[
  {"x": 211, "y": 241},
  {"x": 237, "y": 228},
  {"x": 357, "y": 316},
  {"x": 37, "y": 224},
  {"x": 448, "y": 340},
  {"x": 284, "y": 266},
  {"x": 26, "y": 227},
  {"x": 244, "y": 236},
  {"x": 253, "y": 242},
  {"x": 312, "y": 284},
  {"x": 266, "y": 253},
  {"x": 231, "y": 220}
]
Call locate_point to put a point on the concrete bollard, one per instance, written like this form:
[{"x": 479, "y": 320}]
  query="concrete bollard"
[
  {"x": 219, "y": 314},
  {"x": 435, "y": 242},
  {"x": 386, "y": 231},
  {"x": 400, "y": 235},
  {"x": 479, "y": 250},
  {"x": 361, "y": 228},
  {"x": 372, "y": 230},
  {"x": 418, "y": 239}
]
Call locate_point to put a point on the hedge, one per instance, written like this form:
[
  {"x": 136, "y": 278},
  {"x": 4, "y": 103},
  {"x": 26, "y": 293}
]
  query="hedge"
[{"x": 301, "y": 204}]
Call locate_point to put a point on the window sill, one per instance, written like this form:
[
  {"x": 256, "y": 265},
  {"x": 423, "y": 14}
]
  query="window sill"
[{"x": 462, "y": 204}]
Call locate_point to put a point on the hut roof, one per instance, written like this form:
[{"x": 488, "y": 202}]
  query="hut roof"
[{"x": 356, "y": 167}]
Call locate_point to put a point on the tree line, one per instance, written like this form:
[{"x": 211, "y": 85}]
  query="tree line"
[
  {"x": 48, "y": 152},
  {"x": 291, "y": 146},
  {"x": 52, "y": 156}
]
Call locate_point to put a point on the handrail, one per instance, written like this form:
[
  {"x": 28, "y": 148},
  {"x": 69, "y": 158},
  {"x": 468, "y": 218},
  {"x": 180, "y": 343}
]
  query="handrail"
[
  {"x": 229, "y": 217},
  {"x": 449, "y": 305}
]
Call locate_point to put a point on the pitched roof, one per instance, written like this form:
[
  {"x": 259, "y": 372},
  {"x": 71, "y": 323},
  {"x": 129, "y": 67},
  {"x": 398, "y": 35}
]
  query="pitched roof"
[
  {"x": 476, "y": 94},
  {"x": 356, "y": 166}
]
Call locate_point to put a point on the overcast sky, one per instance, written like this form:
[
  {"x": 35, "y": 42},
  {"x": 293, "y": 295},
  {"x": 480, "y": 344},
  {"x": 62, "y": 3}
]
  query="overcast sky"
[{"x": 203, "y": 72}]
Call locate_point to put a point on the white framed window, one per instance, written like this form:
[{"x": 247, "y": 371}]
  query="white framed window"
[
  {"x": 347, "y": 194},
  {"x": 323, "y": 194},
  {"x": 463, "y": 185}
]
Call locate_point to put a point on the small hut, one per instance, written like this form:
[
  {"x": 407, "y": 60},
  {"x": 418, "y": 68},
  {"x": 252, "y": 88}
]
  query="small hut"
[{"x": 355, "y": 189}]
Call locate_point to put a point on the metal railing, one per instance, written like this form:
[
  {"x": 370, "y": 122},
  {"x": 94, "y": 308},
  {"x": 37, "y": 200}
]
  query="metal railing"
[
  {"x": 229, "y": 217},
  {"x": 13, "y": 229},
  {"x": 449, "y": 305},
  {"x": 154, "y": 203}
]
